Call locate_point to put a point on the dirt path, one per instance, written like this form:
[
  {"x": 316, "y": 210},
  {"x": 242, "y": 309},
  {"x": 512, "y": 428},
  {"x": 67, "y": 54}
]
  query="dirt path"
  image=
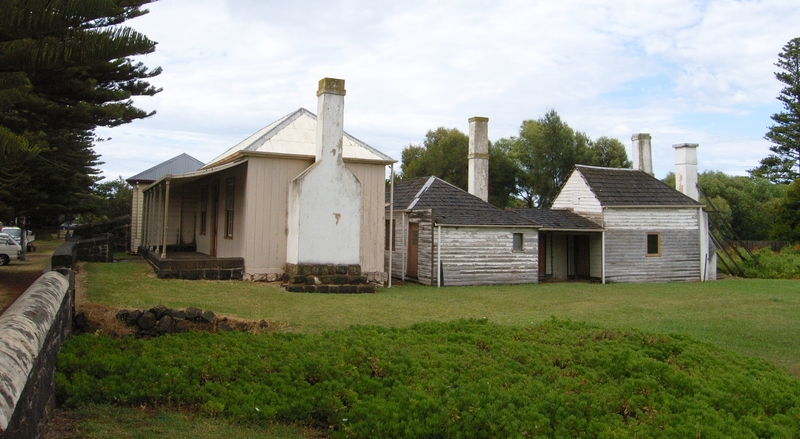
[{"x": 17, "y": 276}]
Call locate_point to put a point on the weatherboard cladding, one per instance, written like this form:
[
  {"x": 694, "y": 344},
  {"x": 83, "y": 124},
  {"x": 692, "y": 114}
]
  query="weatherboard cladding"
[
  {"x": 629, "y": 187},
  {"x": 452, "y": 205},
  {"x": 176, "y": 165}
]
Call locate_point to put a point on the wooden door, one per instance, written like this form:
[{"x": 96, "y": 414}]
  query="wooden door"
[
  {"x": 214, "y": 213},
  {"x": 581, "y": 256},
  {"x": 413, "y": 250},
  {"x": 542, "y": 255}
]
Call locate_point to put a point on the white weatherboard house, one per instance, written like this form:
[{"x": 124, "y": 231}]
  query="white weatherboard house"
[
  {"x": 299, "y": 191},
  {"x": 606, "y": 224}
]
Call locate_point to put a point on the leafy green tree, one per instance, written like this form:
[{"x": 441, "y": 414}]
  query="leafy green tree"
[
  {"x": 548, "y": 148},
  {"x": 109, "y": 199},
  {"x": 783, "y": 166},
  {"x": 787, "y": 222},
  {"x": 64, "y": 70},
  {"x": 444, "y": 152},
  {"x": 608, "y": 152},
  {"x": 749, "y": 205}
]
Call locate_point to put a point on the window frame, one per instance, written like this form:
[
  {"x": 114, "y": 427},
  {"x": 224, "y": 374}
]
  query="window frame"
[
  {"x": 517, "y": 248},
  {"x": 230, "y": 194},
  {"x": 657, "y": 236}
]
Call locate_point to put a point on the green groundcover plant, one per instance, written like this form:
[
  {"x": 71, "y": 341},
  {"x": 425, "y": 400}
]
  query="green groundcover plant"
[
  {"x": 462, "y": 379},
  {"x": 771, "y": 265}
]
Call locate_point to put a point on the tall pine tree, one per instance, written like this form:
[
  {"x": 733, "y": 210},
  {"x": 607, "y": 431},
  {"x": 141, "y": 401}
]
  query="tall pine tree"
[
  {"x": 65, "y": 69},
  {"x": 783, "y": 166}
]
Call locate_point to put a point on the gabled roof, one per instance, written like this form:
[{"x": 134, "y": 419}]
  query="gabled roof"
[
  {"x": 616, "y": 187},
  {"x": 176, "y": 165},
  {"x": 451, "y": 205},
  {"x": 296, "y": 135},
  {"x": 558, "y": 219}
]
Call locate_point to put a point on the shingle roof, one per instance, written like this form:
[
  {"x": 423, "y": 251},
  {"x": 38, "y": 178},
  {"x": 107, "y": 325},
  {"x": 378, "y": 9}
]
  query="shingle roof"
[
  {"x": 558, "y": 219},
  {"x": 176, "y": 165},
  {"x": 295, "y": 134},
  {"x": 629, "y": 187},
  {"x": 451, "y": 205}
]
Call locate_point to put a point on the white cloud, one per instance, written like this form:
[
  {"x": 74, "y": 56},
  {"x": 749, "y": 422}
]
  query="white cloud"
[{"x": 609, "y": 68}]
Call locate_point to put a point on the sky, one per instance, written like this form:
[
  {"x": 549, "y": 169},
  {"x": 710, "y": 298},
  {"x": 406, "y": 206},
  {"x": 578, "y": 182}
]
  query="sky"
[{"x": 683, "y": 71}]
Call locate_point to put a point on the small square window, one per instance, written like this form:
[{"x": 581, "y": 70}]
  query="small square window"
[
  {"x": 653, "y": 244},
  {"x": 519, "y": 242}
]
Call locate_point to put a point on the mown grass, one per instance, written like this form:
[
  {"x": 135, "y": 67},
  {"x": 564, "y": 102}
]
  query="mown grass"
[{"x": 758, "y": 318}]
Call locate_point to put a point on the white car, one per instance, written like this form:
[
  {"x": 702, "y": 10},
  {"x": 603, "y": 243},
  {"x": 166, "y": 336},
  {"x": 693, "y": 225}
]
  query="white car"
[
  {"x": 9, "y": 248},
  {"x": 16, "y": 233}
]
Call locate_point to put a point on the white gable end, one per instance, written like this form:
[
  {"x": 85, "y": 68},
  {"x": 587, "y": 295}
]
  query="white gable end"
[
  {"x": 295, "y": 135},
  {"x": 576, "y": 195}
]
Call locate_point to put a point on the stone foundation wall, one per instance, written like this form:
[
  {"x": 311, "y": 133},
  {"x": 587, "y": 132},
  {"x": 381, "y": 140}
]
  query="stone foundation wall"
[
  {"x": 194, "y": 269},
  {"x": 33, "y": 329},
  {"x": 325, "y": 278}
]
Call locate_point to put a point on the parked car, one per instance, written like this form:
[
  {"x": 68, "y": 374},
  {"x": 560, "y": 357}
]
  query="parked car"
[
  {"x": 16, "y": 233},
  {"x": 9, "y": 248}
]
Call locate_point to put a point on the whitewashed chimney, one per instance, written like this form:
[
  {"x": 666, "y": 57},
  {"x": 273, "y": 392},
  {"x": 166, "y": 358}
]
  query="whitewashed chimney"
[
  {"x": 478, "y": 179},
  {"x": 686, "y": 169},
  {"x": 324, "y": 217},
  {"x": 642, "y": 155}
]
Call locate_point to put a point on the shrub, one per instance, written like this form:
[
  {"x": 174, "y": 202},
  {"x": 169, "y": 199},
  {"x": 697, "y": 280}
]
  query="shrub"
[
  {"x": 466, "y": 378},
  {"x": 771, "y": 265}
]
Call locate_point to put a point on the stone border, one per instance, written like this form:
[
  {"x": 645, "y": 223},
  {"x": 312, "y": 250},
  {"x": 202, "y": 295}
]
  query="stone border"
[{"x": 33, "y": 329}]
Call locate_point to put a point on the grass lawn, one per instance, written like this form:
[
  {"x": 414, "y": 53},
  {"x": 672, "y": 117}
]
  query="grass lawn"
[{"x": 755, "y": 317}]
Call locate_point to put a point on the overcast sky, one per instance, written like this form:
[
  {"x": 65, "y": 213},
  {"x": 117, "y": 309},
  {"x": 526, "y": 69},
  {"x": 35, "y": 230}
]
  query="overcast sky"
[{"x": 683, "y": 71}]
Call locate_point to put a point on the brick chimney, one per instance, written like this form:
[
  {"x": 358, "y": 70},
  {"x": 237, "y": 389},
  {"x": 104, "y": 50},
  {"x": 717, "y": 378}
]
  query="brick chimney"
[
  {"x": 324, "y": 209},
  {"x": 478, "y": 179},
  {"x": 686, "y": 169},
  {"x": 330, "y": 120},
  {"x": 642, "y": 156}
]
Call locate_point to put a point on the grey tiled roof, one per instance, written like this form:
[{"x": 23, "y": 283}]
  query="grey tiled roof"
[
  {"x": 176, "y": 165},
  {"x": 558, "y": 219},
  {"x": 629, "y": 187},
  {"x": 451, "y": 205}
]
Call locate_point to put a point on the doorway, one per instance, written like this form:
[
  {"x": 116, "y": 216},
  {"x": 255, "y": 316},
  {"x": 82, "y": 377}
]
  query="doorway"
[{"x": 413, "y": 250}]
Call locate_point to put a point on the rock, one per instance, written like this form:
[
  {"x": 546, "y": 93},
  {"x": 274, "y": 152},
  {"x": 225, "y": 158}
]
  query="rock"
[
  {"x": 208, "y": 316},
  {"x": 182, "y": 326},
  {"x": 147, "y": 320},
  {"x": 272, "y": 277},
  {"x": 224, "y": 326},
  {"x": 81, "y": 322},
  {"x": 193, "y": 314},
  {"x": 122, "y": 314},
  {"x": 133, "y": 317},
  {"x": 177, "y": 314},
  {"x": 158, "y": 311},
  {"x": 165, "y": 325},
  {"x": 263, "y": 324}
]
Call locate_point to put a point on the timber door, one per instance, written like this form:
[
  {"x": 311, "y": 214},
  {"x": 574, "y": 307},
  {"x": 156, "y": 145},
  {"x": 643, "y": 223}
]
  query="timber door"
[
  {"x": 413, "y": 250},
  {"x": 214, "y": 212},
  {"x": 581, "y": 256},
  {"x": 542, "y": 255}
]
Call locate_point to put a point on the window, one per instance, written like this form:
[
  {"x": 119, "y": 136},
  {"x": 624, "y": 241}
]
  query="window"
[
  {"x": 229, "y": 190},
  {"x": 392, "y": 237},
  {"x": 653, "y": 244},
  {"x": 203, "y": 208},
  {"x": 519, "y": 242}
]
